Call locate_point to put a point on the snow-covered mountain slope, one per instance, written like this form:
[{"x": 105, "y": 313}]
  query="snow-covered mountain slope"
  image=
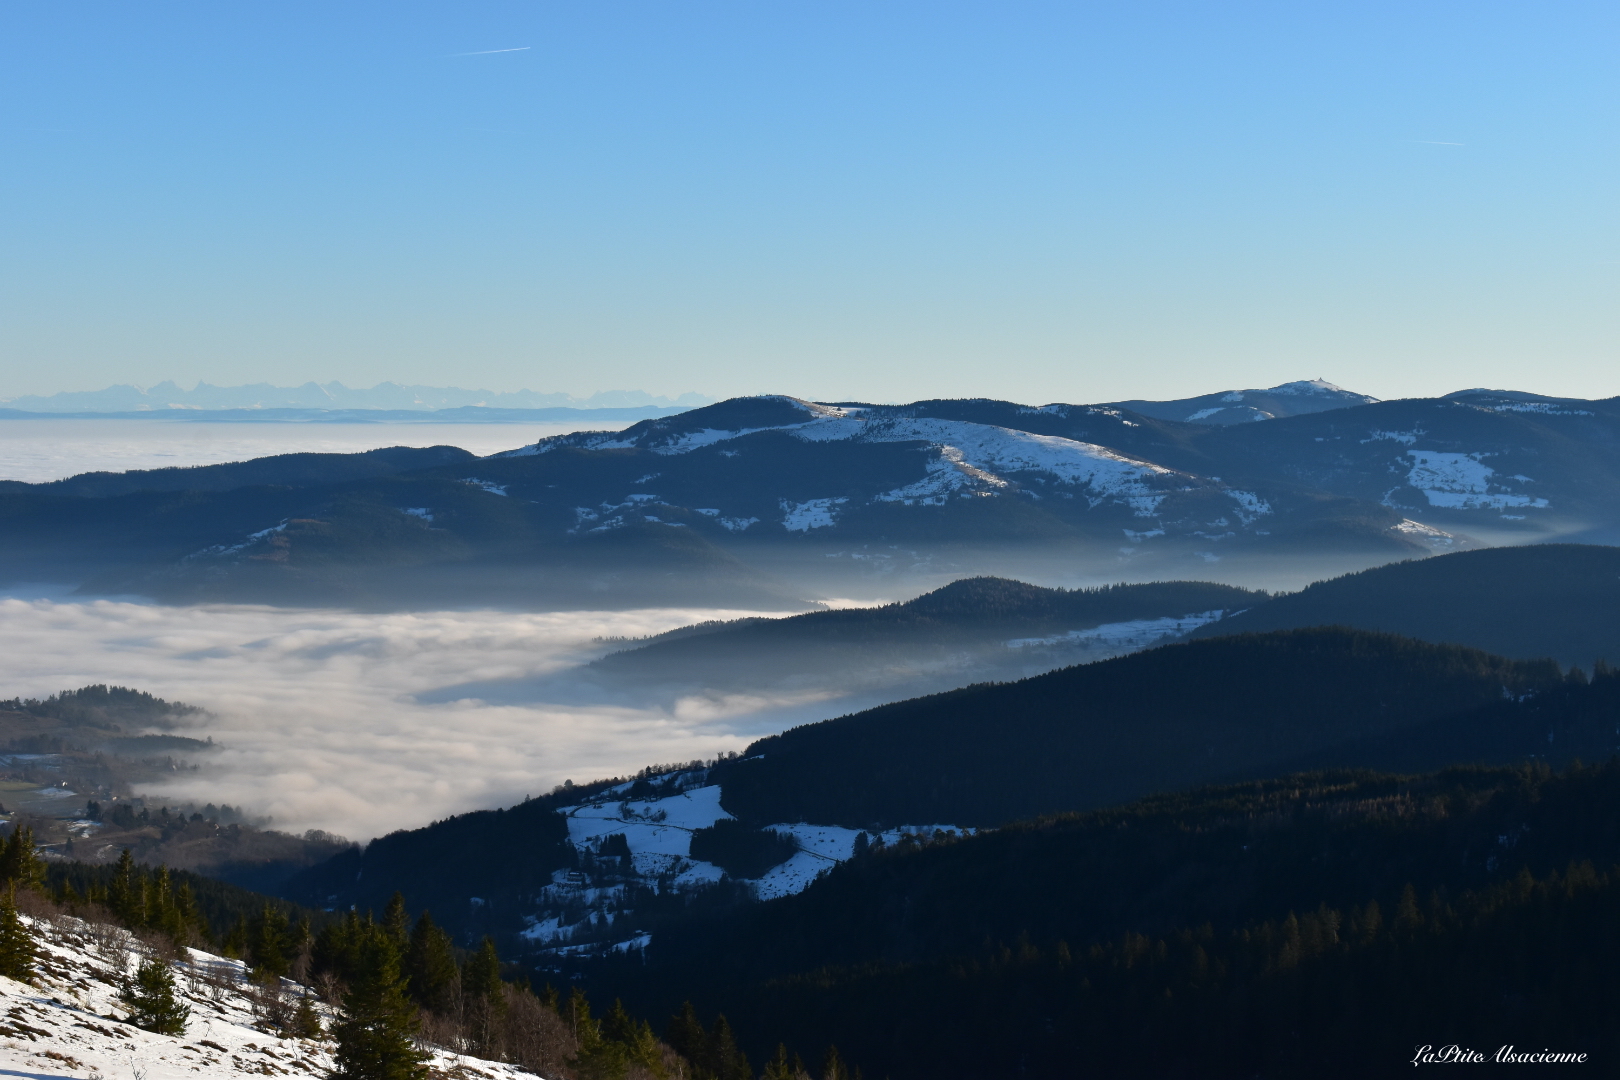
[
  {"x": 1477, "y": 457},
  {"x": 1245, "y": 406},
  {"x": 758, "y": 467},
  {"x": 773, "y": 500},
  {"x": 68, "y": 1022},
  {"x": 966, "y": 458}
]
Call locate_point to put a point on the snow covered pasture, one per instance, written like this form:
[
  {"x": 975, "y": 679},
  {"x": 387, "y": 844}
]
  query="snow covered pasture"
[
  {"x": 658, "y": 833},
  {"x": 66, "y": 1024}
]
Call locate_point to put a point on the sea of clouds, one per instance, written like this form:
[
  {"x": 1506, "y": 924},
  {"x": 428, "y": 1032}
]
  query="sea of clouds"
[
  {"x": 352, "y": 722},
  {"x": 39, "y": 450},
  {"x": 330, "y": 720}
]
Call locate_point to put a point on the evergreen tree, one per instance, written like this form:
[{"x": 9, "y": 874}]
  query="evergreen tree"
[
  {"x": 726, "y": 1057},
  {"x": 484, "y": 999},
  {"x": 430, "y": 966},
  {"x": 779, "y": 1067},
  {"x": 832, "y": 1066},
  {"x": 123, "y": 897},
  {"x": 549, "y": 997},
  {"x": 481, "y": 975},
  {"x": 374, "y": 1034},
  {"x": 1407, "y": 915},
  {"x": 685, "y": 1034},
  {"x": 577, "y": 1014},
  {"x": 152, "y": 1002},
  {"x": 306, "y": 1022},
  {"x": 20, "y": 865},
  {"x": 336, "y": 949},
  {"x": 270, "y": 943},
  {"x": 396, "y": 921},
  {"x": 17, "y": 952},
  {"x": 634, "y": 1038}
]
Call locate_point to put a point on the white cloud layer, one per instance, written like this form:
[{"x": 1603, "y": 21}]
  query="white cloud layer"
[
  {"x": 318, "y": 711},
  {"x": 38, "y": 451}
]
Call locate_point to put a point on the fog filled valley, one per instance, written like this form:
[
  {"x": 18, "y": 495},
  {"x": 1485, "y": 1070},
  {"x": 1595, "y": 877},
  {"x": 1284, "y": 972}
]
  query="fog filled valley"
[{"x": 1266, "y": 734}]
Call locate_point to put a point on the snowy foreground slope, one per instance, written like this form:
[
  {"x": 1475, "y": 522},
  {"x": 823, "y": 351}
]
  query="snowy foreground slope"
[{"x": 64, "y": 1026}]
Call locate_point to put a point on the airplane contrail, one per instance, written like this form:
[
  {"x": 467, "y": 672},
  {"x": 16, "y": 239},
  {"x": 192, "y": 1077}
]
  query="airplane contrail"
[{"x": 487, "y": 52}]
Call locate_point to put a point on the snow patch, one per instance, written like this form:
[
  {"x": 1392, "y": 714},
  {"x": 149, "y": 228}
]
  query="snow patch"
[
  {"x": 485, "y": 485},
  {"x": 1407, "y": 438},
  {"x": 1545, "y": 408},
  {"x": 231, "y": 549},
  {"x": 1250, "y": 505},
  {"x": 815, "y": 514},
  {"x": 1460, "y": 482},
  {"x": 1136, "y": 634},
  {"x": 1428, "y": 534}
]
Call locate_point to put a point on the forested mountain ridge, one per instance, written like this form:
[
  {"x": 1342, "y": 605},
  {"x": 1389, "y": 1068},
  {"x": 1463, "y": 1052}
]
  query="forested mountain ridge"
[
  {"x": 1178, "y": 716},
  {"x": 974, "y": 629},
  {"x": 281, "y": 470},
  {"x": 1558, "y": 600},
  {"x": 1085, "y": 736},
  {"x": 1360, "y": 911}
]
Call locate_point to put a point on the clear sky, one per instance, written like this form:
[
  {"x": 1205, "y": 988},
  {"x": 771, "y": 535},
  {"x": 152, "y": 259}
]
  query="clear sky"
[{"x": 878, "y": 200}]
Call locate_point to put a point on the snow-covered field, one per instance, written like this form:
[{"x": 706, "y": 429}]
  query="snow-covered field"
[
  {"x": 1464, "y": 482},
  {"x": 659, "y": 835},
  {"x": 67, "y": 1024}
]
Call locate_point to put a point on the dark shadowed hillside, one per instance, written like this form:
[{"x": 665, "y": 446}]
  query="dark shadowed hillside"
[
  {"x": 1171, "y": 937},
  {"x": 1115, "y": 730},
  {"x": 964, "y": 627},
  {"x": 1558, "y": 600}
]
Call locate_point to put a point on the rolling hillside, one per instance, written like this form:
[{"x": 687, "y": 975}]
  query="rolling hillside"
[{"x": 1557, "y": 600}]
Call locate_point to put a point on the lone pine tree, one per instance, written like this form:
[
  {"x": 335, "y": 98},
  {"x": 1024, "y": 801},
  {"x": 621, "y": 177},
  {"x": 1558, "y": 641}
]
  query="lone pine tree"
[
  {"x": 20, "y": 865},
  {"x": 152, "y": 1002},
  {"x": 17, "y": 952}
]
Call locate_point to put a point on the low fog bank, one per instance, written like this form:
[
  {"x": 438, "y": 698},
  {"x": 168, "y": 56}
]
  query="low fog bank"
[
  {"x": 866, "y": 574},
  {"x": 39, "y": 450},
  {"x": 324, "y": 716}
]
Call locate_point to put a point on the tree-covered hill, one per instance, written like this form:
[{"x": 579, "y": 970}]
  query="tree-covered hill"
[
  {"x": 285, "y": 470},
  {"x": 1318, "y": 924},
  {"x": 965, "y": 625},
  {"x": 1095, "y": 734},
  {"x": 1558, "y": 600}
]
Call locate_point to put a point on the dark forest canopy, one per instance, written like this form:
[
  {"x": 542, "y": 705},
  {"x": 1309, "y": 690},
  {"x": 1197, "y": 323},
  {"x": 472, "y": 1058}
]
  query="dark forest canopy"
[
  {"x": 982, "y": 612},
  {"x": 1218, "y": 933},
  {"x": 1086, "y": 736},
  {"x": 1558, "y": 600}
]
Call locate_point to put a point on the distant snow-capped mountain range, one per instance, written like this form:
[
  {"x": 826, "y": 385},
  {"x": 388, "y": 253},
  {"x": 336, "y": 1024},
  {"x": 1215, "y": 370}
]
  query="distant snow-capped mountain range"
[{"x": 334, "y": 395}]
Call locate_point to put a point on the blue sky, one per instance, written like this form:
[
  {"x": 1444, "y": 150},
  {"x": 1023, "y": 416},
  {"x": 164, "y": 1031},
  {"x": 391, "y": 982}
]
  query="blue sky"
[{"x": 841, "y": 200}]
